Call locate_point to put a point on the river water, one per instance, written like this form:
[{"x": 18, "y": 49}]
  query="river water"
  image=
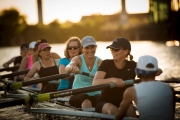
[{"x": 168, "y": 57}]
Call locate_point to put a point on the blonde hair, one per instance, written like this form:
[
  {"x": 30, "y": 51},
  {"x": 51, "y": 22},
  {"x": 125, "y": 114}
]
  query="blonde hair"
[{"x": 74, "y": 38}]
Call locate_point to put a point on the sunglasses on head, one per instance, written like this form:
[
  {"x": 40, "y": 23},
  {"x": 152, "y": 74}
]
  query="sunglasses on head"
[
  {"x": 72, "y": 47},
  {"x": 116, "y": 50}
]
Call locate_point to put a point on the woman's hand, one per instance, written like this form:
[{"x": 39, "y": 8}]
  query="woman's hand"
[
  {"x": 119, "y": 82},
  {"x": 72, "y": 69}
]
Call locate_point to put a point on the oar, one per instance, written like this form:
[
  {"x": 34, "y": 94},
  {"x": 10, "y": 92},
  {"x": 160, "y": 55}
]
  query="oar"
[
  {"x": 13, "y": 74},
  {"x": 76, "y": 113},
  {"x": 9, "y": 68},
  {"x": 17, "y": 85},
  {"x": 172, "y": 80},
  {"x": 48, "y": 96}
]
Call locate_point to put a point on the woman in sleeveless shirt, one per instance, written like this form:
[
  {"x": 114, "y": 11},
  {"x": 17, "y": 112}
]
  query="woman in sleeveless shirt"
[
  {"x": 44, "y": 67},
  {"x": 115, "y": 70},
  {"x": 72, "y": 49},
  {"x": 17, "y": 60},
  {"x": 86, "y": 62}
]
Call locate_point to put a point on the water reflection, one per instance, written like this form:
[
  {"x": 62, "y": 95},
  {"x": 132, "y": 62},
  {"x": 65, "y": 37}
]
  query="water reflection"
[{"x": 168, "y": 57}]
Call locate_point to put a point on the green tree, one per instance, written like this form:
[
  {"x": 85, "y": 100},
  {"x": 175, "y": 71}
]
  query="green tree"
[{"x": 11, "y": 26}]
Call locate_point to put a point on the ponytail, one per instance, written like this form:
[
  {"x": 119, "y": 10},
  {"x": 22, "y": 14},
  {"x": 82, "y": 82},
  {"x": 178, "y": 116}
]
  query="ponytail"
[{"x": 130, "y": 57}]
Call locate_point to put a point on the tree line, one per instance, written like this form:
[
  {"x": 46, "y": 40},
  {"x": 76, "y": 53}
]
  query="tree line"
[{"x": 14, "y": 29}]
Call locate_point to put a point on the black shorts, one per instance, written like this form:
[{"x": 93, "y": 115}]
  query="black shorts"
[
  {"x": 77, "y": 100},
  {"x": 49, "y": 88},
  {"x": 71, "y": 80}
]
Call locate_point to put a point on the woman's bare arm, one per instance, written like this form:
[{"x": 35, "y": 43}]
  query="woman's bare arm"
[
  {"x": 73, "y": 66},
  {"x": 6, "y": 64},
  {"x": 24, "y": 63},
  {"x": 100, "y": 79},
  {"x": 55, "y": 55},
  {"x": 32, "y": 71}
]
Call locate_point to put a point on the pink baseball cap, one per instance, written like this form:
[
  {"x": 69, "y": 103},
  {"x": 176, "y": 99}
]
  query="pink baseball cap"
[{"x": 43, "y": 45}]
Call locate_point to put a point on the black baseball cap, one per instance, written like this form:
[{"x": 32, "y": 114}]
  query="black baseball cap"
[
  {"x": 120, "y": 43},
  {"x": 39, "y": 41},
  {"x": 42, "y": 40}
]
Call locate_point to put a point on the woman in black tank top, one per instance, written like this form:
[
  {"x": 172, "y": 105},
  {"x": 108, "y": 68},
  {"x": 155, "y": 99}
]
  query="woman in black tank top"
[
  {"x": 44, "y": 67},
  {"x": 48, "y": 71}
]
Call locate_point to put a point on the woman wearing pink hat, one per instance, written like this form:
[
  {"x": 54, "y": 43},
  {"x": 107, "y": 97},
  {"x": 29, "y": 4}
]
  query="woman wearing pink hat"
[{"x": 44, "y": 67}]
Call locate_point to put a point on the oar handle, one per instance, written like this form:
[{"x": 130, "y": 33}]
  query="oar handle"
[
  {"x": 85, "y": 73},
  {"x": 126, "y": 82},
  {"x": 69, "y": 69}
]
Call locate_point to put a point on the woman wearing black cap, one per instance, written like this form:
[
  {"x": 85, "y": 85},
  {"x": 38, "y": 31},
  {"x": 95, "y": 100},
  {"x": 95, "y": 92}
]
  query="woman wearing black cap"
[{"x": 115, "y": 70}]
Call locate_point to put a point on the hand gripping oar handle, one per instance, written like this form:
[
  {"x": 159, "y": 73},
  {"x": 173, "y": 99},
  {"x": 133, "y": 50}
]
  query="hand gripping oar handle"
[
  {"x": 14, "y": 74},
  {"x": 9, "y": 68}
]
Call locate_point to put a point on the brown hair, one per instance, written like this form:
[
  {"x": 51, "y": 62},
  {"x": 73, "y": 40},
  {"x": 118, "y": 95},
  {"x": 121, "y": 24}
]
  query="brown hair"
[{"x": 74, "y": 38}]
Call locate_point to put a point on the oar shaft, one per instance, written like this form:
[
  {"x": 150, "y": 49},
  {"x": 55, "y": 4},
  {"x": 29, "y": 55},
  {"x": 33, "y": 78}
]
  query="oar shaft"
[
  {"x": 17, "y": 85},
  {"x": 9, "y": 68},
  {"x": 43, "y": 79},
  {"x": 12, "y": 103},
  {"x": 86, "y": 89},
  {"x": 85, "y": 73},
  {"x": 14, "y": 74}
]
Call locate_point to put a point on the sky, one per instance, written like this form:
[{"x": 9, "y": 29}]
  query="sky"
[{"x": 72, "y": 10}]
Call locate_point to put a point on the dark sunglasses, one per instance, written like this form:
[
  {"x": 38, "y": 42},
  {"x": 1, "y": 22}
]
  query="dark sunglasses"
[
  {"x": 116, "y": 50},
  {"x": 73, "y": 47}
]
